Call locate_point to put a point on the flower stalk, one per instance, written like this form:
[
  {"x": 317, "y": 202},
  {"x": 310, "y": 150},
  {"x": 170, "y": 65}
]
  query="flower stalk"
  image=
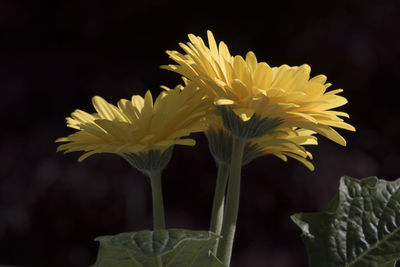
[
  {"x": 224, "y": 251},
  {"x": 158, "y": 205},
  {"x": 218, "y": 202}
]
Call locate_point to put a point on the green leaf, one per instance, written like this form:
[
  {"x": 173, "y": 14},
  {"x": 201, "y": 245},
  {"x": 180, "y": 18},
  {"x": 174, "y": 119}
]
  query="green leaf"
[
  {"x": 359, "y": 228},
  {"x": 167, "y": 248}
]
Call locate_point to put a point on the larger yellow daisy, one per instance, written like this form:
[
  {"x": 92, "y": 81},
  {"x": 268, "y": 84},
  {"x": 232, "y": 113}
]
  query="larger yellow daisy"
[
  {"x": 250, "y": 87},
  {"x": 138, "y": 125}
]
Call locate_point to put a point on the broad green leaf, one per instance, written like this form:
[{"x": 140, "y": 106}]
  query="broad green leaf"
[
  {"x": 359, "y": 228},
  {"x": 166, "y": 248}
]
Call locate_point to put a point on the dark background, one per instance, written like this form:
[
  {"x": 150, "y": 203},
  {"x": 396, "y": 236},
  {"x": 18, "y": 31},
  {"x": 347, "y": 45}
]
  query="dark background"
[{"x": 56, "y": 55}]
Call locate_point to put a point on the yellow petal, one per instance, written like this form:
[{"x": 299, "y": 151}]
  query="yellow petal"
[
  {"x": 223, "y": 101},
  {"x": 103, "y": 108},
  {"x": 251, "y": 61},
  {"x": 86, "y": 155},
  {"x": 241, "y": 71},
  {"x": 240, "y": 89},
  {"x": 148, "y": 104},
  {"x": 321, "y": 79},
  {"x": 262, "y": 76},
  {"x": 324, "y": 130},
  {"x": 306, "y": 163},
  {"x": 213, "y": 45},
  {"x": 186, "y": 142}
]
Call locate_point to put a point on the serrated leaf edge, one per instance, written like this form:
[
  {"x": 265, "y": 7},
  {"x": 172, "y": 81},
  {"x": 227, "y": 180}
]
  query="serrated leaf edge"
[{"x": 304, "y": 226}]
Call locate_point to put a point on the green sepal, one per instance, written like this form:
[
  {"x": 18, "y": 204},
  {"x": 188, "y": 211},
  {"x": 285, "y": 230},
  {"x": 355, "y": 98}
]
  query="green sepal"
[
  {"x": 152, "y": 160},
  {"x": 253, "y": 128},
  {"x": 220, "y": 145},
  {"x": 359, "y": 228},
  {"x": 176, "y": 247}
]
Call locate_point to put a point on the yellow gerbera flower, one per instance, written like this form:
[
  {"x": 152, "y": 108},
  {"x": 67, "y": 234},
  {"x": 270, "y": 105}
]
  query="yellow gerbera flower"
[
  {"x": 138, "y": 125},
  {"x": 287, "y": 142},
  {"x": 281, "y": 142},
  {"x": 250, "y": 87}
]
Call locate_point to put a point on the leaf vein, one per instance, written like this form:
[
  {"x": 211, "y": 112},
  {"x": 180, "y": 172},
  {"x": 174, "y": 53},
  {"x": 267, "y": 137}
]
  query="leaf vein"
[{"x": 381, "y": 240}]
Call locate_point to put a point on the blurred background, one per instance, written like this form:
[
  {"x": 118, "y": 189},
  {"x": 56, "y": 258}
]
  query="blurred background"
[{"x": 56, "y": 55}]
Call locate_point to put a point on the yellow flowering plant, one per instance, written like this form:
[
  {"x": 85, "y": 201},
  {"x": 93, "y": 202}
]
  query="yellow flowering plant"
[
  {"x": 140, "y": 131},
  {"x": 246, "y": 109},
  {"x": 255, "y": 101}
]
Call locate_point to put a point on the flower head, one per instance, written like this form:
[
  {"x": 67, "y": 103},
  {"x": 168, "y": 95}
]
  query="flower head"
[
  {"x": 287, "y": 142},
  {"x": 281, "y": 142},
  {"x": 138, "y": 125},
  {"x": 250, "y": 87}
]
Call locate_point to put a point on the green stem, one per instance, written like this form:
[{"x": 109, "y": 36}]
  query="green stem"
[
  {"x": 218, "y": 203},
  {"x": 158, "y": 206},
  {"x": 159, "y": 262},
  {"x": 232, "y": 203}
]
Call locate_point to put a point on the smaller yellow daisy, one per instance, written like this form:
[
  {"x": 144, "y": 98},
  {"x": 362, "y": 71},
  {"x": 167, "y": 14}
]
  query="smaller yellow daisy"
[{"x": 138, "y": 125}]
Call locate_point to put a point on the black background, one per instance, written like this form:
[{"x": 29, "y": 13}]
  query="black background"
[{"x": 55, "y": 55}]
